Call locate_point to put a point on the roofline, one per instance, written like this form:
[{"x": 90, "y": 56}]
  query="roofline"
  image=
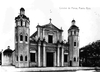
[{"x": 46, "y": 24}]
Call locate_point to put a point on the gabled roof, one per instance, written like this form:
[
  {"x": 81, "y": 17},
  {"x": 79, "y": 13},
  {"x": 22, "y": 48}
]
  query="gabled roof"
[
  {"x": 49, "y": 25},
  {"x": 34, "y": 34}
]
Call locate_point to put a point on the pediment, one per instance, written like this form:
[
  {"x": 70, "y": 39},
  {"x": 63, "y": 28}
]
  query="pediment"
[{"x": 51, "y": 26}]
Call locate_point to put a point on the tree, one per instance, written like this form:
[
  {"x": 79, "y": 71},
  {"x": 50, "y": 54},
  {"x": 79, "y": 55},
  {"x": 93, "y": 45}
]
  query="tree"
[{"x": 90, "y": 55}]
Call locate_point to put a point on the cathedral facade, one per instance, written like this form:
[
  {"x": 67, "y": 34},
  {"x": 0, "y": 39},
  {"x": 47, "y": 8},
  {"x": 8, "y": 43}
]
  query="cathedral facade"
[{"x": 45, "y": 47}]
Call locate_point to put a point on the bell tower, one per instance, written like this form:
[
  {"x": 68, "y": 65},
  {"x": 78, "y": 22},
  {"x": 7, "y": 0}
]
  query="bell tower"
[
  {"x": 73, "y": 40},
  {"x": 22, "y": 33}
]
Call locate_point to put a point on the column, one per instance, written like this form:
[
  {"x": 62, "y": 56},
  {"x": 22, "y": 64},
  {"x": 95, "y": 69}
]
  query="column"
[
  {"x": 58, "y": 55},
  {"x": 62, "y": 55},
  {"x": 39, "y": 55},
  {"x": 55, "y": 59},
  {"x": 44, "y": 56}
]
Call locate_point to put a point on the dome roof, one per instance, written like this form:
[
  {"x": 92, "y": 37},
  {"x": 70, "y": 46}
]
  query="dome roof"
[
  {"x": 21, "y": 16},
  {"x": 73, "y": 20},
  {"x": 22, "y": 9},
  {"x": 73, "y": 25},
  {"x": 8, "y": 52}
]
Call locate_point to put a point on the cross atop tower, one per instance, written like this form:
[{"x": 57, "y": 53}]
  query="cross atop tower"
[{"x": 50, "y": 20}]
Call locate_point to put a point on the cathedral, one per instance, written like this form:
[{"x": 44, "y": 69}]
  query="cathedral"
[{"x": 44, "y": 48}]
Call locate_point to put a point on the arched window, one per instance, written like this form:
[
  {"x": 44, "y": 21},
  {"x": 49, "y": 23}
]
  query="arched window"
[
  {"x": 26, "y": 38},
  {"x": 21, "y": 37},
  {"x": 17, "y": 58},
  {"x": 21, "y": 23},
  {"x": 74, "y": 59},
  {"x": 25, "y": 58},
  {"x": 21, "y": 58},
  {"x": 25, "y": 23},
  {"x": 74, "y": 32},
  {"x": 74, "y": 43}
]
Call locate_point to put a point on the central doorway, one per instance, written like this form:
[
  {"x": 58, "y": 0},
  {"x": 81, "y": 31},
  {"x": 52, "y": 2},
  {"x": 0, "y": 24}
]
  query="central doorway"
[{"x": 49, "y": 59}]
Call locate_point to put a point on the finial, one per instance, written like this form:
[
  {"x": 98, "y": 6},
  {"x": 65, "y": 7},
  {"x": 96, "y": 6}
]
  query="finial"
[
  {"x": 22, "y": 11},
  {"x": 50, "y": 20},
  {"x": 73, "y": 22},
  {"x": 50, "y": 15}
]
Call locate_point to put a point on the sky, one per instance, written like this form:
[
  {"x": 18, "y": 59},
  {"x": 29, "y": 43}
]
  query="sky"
[{"x": 86, "y": 13}]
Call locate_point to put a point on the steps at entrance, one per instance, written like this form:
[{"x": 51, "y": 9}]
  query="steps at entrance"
[{"x": 44, "y": 69}]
